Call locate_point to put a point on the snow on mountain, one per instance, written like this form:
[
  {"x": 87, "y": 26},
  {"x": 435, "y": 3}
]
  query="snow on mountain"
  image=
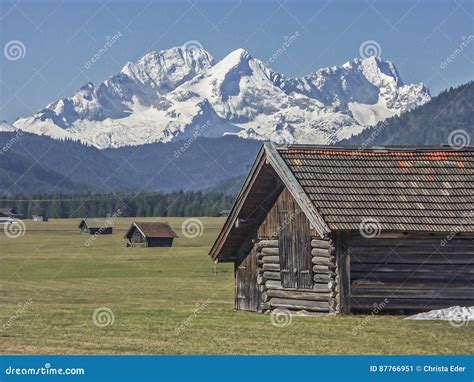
[
  {"x": 5, "y": 126},
  {"x": 176, "y": 94}
]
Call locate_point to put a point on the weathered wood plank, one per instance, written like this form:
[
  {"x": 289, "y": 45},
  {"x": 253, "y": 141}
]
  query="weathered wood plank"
[
  {"x": 324, "y": 268},
  {"x": 362, "y": 284},
  {"x": 298, "y": 295},
  {"x": 413, "y": 276},
  {"x": 321, "y": 261},
  {"x": 271, "y": 267},
  {"x": 397, "y": 258},
  {"x": 363, "y": 303},
  {"x": 453, "y": 294},
  {"x": 269, "y": 251},
  {"x": 315, "y": 243},
  {"x": 317, "y": 306},
  {"x": 320, "y": 252},
  {"x": 270, "y": 260},
  {"x": 271, "y": 275},
  {"x": 459, "y": 268},
  {"x": 273, "y": 284},
  {"x": 343, "y": 277},
  {"x": 267, "y": 243},
  {"x": 317, "y": 277}
]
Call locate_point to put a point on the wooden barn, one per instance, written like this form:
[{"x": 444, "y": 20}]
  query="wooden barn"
[
  {"x": 96, "y": 226},
  {"x": 341, "y": 230},
  {"x": 39, "y": 218},
  {"x": 153, "y": 234}
]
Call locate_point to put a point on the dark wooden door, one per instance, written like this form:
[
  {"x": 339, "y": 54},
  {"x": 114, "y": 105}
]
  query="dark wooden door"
[
  {"x": 247, "y": 295},
  {"x": 302, "y": 255},
  {"x": 295, "y": 250},
  {"x": 286, "y": 249}
]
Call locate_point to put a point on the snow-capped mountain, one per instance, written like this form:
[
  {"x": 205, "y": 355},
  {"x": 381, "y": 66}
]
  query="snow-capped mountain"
[{"x": 176, "y": 94}]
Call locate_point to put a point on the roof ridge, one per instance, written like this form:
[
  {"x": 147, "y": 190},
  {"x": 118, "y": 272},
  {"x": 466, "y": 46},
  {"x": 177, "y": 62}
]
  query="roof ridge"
[{"x": 375, "y": 149}]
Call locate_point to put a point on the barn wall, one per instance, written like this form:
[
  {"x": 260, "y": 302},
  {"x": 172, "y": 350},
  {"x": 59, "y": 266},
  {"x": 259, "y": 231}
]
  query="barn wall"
[
  {"x": 160, "y": 242},
  {"x": 101, "y": 231},
  {"x": 316, "y": 258},
  {"x": 411, "y": 273},
  {"x": 247, "y": 293}
]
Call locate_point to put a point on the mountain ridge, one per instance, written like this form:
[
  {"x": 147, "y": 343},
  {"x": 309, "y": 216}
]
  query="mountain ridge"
[
  {"x": 447, "y": 119},
  {"x": 166, "y": 96}
]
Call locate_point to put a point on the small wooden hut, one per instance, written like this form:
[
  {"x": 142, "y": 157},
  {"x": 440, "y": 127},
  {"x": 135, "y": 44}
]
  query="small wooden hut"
[
  {"x": 154, "y": 234},
  {"x": 39, "y": 218},
  {"x": 96, "y": 226},
  {"x": 341, "y": 230}
]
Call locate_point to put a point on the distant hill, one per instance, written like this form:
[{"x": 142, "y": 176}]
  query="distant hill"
[
  {"x": 429, "y": 124},
  {"x": 20, "y": 174},
  {"x": 30, "y": 163}
]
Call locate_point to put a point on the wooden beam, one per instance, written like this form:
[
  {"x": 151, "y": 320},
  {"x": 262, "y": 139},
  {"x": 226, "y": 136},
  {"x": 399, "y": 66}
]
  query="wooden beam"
[{"x": 343, "y": 261}]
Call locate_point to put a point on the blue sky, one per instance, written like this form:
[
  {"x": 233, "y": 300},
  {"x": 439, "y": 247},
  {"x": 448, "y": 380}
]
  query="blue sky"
[{"x": 56, "y": 39}]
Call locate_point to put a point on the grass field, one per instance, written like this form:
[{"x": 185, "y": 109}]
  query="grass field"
[{"x": 168, "y": 301}]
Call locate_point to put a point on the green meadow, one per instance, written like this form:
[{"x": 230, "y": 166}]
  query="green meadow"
[{"x": 64, "y": 293}]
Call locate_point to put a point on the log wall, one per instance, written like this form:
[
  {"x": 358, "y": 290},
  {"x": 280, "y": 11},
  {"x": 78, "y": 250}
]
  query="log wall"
[
  {"x": 412, "y": 272},
  {"x": 321, "y": 297}
]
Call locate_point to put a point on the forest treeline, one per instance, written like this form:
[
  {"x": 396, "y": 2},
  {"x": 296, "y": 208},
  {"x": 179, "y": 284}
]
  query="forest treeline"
[{"x": 79, "y": 205}]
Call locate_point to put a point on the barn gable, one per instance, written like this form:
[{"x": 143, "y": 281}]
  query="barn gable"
[{"x": 267, "y": 178}]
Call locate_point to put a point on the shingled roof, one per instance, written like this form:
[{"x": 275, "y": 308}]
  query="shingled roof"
[
  {"x": 96, "y": 223},
  {"x": 153, "y": 230},
  {"x": 405, "y": 189}
]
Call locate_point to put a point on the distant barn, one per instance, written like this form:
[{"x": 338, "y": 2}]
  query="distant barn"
[
  {"x": 150, "y": 235},
  {"x": 96, "y": 226},
  {"x": 223, "y": 213},
  {"x": 39, "y": 218},
  {"x": 340, "y": 230}
]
